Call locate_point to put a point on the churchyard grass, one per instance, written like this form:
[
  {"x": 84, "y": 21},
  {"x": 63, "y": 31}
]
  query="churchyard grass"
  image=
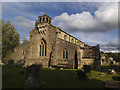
[{"x": 51, "y": 78}]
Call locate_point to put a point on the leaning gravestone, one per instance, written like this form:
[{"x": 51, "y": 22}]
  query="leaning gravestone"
[
  {"x": 111, "y": 71},
  {"x": 32, "y": 76}
]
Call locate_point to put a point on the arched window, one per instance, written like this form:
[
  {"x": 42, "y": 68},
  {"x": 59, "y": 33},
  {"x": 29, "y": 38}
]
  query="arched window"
[
  {"x": 65, "y": 37},
  {"x": 43, "y": 19},
  {"x": 47, "y": 19},
  {"x": 65, "y": 54},
  {"x": 72, "y": 40},
  {"x": 43, "y": 48},
  {"x": 40, "y": 19}
]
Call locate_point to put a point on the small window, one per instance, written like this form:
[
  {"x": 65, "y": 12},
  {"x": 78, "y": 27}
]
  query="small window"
[
  {"x": 43, "y": 18},
  {"x": 65, "y": 54},
  {"x": 44, "y": 32},
  {"x": 40, "y": 19},
  {"x": 43, "y": 50},
  {"x": 56, "y": 32},
  {"x": 102, "y": 60},
  {"x": 52, "y": 47},
  {"x": 65, "y": 37},
  {"x": 72, "y": 40},
  {"x": 78, "y": 42},
  {"x": 47, "y": 19},
  {"x": 40, "y": 50},
  {"x": 75, "y": 42},
  {"x": 41, "y": 42},
  {"x": 37, "y": 28}
]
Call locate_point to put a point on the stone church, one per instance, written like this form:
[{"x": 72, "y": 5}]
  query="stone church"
[{"x": 53, "y": 47}]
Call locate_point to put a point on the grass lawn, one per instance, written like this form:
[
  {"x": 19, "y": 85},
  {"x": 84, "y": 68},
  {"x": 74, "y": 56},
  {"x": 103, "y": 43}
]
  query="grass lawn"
[{"x": 66, "y": 78}]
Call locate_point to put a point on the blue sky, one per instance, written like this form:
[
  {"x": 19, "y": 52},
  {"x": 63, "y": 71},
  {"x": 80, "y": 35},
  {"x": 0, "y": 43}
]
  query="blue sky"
[{"x": 91, "y": 22}]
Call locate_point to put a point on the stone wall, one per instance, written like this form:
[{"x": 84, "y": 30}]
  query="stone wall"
[
  {"x": 67, "y": 37},
  {"x": 58, "y": 53}
]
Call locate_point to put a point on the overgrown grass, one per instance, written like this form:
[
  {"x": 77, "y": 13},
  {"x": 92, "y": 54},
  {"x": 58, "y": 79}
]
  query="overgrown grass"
[{"x": 66, "y": 78}]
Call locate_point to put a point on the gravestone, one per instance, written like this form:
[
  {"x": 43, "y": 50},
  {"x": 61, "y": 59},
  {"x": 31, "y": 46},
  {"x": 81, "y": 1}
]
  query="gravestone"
[
  {"x": 81, "y": 75},
  {"x": 10, "y": 62},
  {"x": 32, "y": 76},
  {"x": 111, "y": 71},
  {"x": 87, "y": 68}
]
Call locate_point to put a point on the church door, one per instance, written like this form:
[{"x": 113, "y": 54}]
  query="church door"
[{"x": 76, "y": 60}]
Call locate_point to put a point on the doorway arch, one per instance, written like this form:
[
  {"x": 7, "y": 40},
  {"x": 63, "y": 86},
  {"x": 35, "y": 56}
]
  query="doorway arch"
[{"x": 76, "y": 60}]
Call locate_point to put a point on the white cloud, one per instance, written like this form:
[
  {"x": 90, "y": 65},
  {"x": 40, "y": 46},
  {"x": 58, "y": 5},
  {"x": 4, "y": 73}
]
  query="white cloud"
[
  {"x": 105, "y": 19},
  {"x": 107, "y": 43},
  {"x": 24, "y": 22},
  {"x": 112, "y": 46},
  {"x": 112, "y": 51},
  {"x": 108, "y": 14},
  {"x": 93, "y": 38},
  {"x": 23, "y": 38}
]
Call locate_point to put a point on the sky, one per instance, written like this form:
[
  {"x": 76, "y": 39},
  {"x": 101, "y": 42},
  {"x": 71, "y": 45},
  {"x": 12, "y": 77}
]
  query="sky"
[{"x": 91, "y": 22}]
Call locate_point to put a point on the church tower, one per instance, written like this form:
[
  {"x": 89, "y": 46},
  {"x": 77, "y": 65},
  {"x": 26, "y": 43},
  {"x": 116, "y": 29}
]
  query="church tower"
[{"x": 44, "y": 19}]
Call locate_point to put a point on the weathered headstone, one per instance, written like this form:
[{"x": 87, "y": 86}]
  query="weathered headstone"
[
  {"x": 10, "y": 62},
  {"x": 81, "y": 75},
  {"x": 32, "y": 76},
  {"x": 111, "y": 71},
  {"x": 87, "y": 68}
]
